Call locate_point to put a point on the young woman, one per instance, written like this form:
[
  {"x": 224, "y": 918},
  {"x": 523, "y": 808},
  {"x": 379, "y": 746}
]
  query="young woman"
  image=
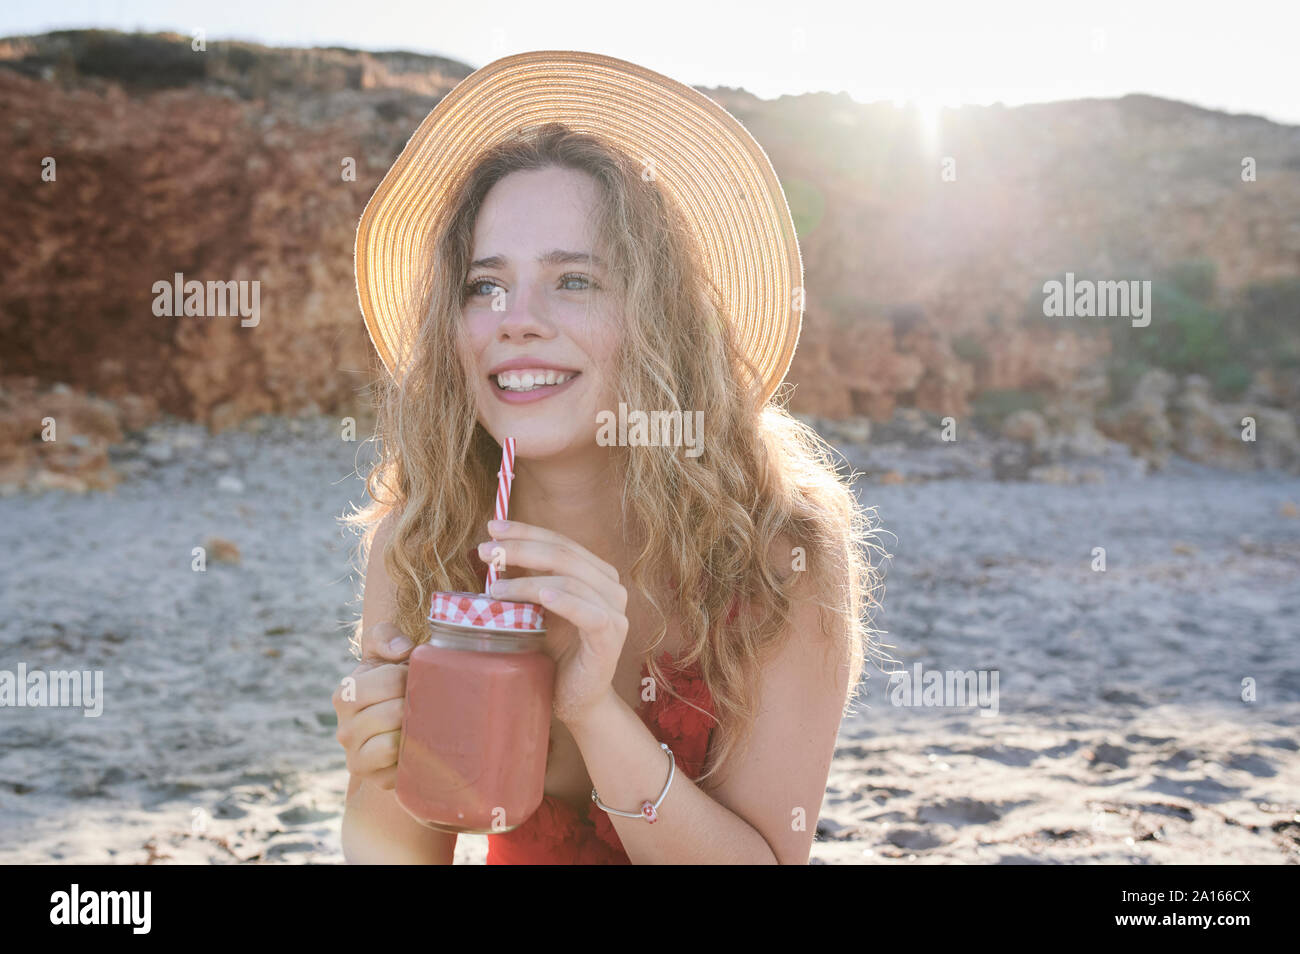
[{"x": 560, "y": 282}]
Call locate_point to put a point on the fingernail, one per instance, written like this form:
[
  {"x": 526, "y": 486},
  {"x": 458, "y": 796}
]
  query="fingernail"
[
  {"x": 498, "y": 588},
  {"x": 498, "y": 526},
  {"x": 398, "y": 644}
]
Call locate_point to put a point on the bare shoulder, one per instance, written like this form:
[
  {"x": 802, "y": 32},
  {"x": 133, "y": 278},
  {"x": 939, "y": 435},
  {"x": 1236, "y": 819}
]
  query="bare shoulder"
[
  {"x": 812, "y": 653},
  {"x": 812, "y": 580},
  {"x": 778, "y": 781}
]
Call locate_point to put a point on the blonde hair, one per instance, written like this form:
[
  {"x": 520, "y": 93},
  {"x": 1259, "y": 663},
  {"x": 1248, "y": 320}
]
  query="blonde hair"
[{"x": 707, "y": 530}]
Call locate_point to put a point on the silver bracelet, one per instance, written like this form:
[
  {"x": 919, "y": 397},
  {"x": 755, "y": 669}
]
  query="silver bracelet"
[{"x": 649, "y": 811}]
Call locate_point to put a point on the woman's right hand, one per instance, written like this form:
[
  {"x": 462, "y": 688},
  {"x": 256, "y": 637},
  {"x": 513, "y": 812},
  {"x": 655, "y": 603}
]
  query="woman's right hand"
[{"x": 370, "y": 714}]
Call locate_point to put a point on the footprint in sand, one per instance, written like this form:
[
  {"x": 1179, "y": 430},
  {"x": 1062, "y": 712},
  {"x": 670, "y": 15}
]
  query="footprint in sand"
[{"x": 957, "y": 812}]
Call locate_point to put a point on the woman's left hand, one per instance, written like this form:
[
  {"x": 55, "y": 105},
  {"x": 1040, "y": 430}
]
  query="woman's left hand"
[{"x": 577, "y": 586}]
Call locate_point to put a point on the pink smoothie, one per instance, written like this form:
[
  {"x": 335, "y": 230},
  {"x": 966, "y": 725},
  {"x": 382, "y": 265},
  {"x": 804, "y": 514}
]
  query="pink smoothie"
[{"x": 476, "y": 729}]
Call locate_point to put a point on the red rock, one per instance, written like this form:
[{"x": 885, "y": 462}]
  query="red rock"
[{"x": 236, "y": 175}]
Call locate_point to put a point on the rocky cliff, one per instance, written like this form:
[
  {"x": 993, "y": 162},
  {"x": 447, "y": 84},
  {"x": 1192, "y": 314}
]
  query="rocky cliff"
[{"x": 925, "y": 260}]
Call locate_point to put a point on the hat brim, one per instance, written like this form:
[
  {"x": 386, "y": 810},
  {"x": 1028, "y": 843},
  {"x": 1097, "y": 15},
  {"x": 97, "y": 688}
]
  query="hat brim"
[{"x": 701, "y": 156}]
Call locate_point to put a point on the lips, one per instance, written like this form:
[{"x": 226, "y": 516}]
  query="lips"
[
  {"x": 525, "y": 380},
  {"x": 538, "y": 392},
  {"x": 528, "y": 378}
]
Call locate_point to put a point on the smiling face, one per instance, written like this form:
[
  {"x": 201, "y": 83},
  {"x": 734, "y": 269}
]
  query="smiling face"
[{"x": 540, "y": 323}]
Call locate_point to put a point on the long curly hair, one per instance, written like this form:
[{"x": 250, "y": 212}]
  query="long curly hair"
[{"x": 763, "y": 516}]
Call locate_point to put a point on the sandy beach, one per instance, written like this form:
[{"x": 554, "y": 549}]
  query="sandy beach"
[{"x": 1121, "y": 734}]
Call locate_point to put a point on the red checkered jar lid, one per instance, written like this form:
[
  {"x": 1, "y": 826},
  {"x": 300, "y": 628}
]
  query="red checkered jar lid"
[{"x": 483, "y": 612}]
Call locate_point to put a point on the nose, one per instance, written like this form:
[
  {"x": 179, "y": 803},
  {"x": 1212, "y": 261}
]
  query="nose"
[{"x": 525, "y": 315}]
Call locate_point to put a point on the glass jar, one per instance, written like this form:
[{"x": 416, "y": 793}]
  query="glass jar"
[{"x": 477, "y": 720}]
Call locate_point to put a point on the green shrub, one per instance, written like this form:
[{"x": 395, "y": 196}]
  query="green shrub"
[
  {"x": 140, "y": 59},
  {"x": 1185, "y": 336},
  {"x": 991, "y": 408},
  {"x": 1122, "y": 376},
  {"x": 1195, "y": 279},
  {"x": 1267, "y": 324},
  {"x": 1188, "y": 334},
  {"x": 968, "y": 347},
  {"x": 1230, "y": 381}
]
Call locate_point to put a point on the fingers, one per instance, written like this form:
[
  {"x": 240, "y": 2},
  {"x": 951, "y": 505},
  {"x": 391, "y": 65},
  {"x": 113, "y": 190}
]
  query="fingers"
[
  {"x": 370, "y": 704},
  {"x": 527, "y": 589},
  {"x": 368, "y": 686},
  {"x": 384, "y": 642},
  {"x": 370, "y": 725},
  {"x": 371, "y": 721},
  {"x": 376, "y": 753},
  {"x": 514, "y": 530},
  {"x": 385, "y": 779},
  {"x": 560, "y": 561},
  {"x": 596, "y": 621}
]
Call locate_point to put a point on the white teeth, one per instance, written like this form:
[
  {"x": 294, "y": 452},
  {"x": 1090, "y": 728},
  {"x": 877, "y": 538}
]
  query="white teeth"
[{"x": 531, "y": 380}]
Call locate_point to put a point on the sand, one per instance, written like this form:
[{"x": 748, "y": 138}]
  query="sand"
[{"x": 1121, "y": 734}]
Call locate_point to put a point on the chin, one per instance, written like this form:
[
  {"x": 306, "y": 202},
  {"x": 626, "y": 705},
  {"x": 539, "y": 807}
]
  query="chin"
[
  {"x": 542, "y": 432},
  {"x": 541, "y": 437},
  {"x": 547, "y": 444}
]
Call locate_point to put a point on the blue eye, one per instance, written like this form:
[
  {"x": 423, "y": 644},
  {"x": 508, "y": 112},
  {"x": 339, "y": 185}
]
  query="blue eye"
[
  {"x": 471, "y": 287},
  {"x": 573, "y": 277}
]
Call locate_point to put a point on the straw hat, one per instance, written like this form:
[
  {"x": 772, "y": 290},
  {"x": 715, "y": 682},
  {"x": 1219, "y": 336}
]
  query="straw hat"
[{"x": 702, "y": 157}]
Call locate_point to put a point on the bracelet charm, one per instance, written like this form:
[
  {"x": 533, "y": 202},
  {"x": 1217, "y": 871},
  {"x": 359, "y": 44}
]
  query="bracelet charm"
[{"x": 649, "y": 810}]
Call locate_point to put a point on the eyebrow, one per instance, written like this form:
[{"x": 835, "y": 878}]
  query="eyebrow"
[{"x": 554, "y": 257}]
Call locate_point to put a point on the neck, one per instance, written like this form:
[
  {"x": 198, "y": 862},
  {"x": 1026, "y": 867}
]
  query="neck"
[{"x": 578, "y": 498}]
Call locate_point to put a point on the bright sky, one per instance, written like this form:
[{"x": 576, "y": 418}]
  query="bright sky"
[{"x": 1238, "y": 57}]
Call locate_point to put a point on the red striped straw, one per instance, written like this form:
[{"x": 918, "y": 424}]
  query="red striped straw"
[{"x": 505, "y": 477}]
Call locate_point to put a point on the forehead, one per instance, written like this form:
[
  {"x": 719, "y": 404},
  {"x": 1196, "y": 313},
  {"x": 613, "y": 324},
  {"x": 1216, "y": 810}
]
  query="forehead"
[{"x": 530, "y": 209}]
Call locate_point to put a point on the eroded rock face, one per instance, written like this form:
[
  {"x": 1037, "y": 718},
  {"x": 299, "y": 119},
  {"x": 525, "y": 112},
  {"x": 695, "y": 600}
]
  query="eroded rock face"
[
  {"x": 1024, "y": 426},
  {"x": 1143, "y": 421},
  {"x": 54, "y": 437},
  {"x": 238, "y": 167},
  {"x": 1166, "y": 415},
  {"x": 182, "y": 182},
  {"x": 1244, "y": 434}
]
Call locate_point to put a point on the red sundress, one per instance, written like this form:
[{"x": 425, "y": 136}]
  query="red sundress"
[{"x": 558, "y": 834}]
